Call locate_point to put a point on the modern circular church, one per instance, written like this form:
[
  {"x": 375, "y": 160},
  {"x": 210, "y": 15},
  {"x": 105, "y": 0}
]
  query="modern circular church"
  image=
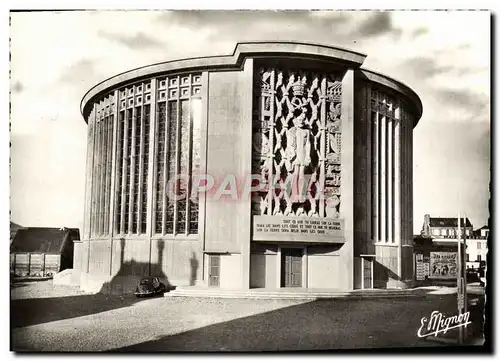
[{"x": 284, "y": 164}]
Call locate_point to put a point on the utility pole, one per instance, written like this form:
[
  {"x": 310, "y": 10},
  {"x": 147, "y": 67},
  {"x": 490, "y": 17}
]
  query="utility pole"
[{"x": 461, "y": 279}]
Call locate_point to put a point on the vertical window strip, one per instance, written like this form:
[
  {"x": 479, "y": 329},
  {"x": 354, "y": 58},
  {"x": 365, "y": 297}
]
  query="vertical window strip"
[
  {"x": 95, "y": 182},
  {"x": 92, "y": 175},
  {"x": 119, "y": 171},
  {"x": 127, "y": 171},
  {"x": 102, "y": 186},
  {"x": 105, "y": 176},
  {"x": 171, "y": 165},
  {"x": 131, "y": 184},
  {"x": 108, "y": 174},
  {"x": 183, "y": 151},
  {"x": 195, "y": 163},
  {"x": 136, "y": 162},
  {"x": 160, "y": 166},
  {"x": 145, "y": 172}
]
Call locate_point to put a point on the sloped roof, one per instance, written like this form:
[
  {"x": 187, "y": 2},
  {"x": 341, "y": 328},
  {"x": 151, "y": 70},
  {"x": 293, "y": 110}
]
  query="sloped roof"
[
  {"x": 483, "y": 227},
  {"x": 447, "y": 222},
  {"x": 14, "y": 227},
  {"x": 43, "y": 240}
]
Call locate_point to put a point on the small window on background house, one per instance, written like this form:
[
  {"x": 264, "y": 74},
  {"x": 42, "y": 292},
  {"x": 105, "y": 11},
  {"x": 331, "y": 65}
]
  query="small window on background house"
[{"x": 478, "y": 245}]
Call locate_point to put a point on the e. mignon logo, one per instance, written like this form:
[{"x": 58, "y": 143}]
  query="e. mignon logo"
[{"x": 438, "y": 322}]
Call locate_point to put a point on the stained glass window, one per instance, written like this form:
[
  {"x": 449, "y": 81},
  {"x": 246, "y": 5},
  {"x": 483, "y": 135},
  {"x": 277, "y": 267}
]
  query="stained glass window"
[
  {"x": 119, "y": 173},
  {"x": 182, "y": 155},
  {"x": 145, "y": 165},
  {"x": 160, "y": 166}
]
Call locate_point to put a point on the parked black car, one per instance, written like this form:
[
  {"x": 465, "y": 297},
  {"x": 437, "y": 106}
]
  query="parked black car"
[
  {"x": 150, "y": 286},
  {"x": 481, "y": 274}
]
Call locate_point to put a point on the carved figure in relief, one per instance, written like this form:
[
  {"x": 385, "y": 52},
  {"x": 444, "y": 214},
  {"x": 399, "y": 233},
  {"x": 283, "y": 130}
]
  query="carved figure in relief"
[
  {"x": 298, "y": 155},
  {"x": 332, "y": 202}
]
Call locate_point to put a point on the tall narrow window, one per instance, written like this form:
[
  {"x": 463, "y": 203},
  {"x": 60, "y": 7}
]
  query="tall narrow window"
[
  {"x": 145, "y": 165},
  {"x": 183, "y": 167},
  {"x": 171, "y": 165},
  {"x": 160, "y": 166},
  {"x": 119, "y": 172},
  {"x": 108, "y": 174},
  {"x": 195, "y": 164},
  {"x": 127, "y": 171},
  {"x": 175, "y": 212},
  {"x": 136, "y": 158}
]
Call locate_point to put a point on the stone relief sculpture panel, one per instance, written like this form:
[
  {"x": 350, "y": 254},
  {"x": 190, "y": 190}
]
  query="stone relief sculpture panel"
[{"x": 297, "y": 142}]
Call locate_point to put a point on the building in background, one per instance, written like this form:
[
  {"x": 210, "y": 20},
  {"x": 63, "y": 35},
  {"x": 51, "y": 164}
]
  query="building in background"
[
  {"x": 444, "y": 228},
  {"x": 14, "y": 227},
  {"x": 279, "y": 111},
  {"x": 477, "y": 248},
  {"x": 42, "y": 252},
  {"x": 439, "y": 234}
]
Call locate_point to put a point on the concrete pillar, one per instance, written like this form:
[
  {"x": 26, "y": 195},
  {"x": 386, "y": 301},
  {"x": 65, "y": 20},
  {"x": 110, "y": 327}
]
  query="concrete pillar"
[
  {"x": 245, "y": 216},
  {"x": 347, "y": 174},
  {"x": 383, "y": 179},
  {"x": 397, "y": 185},
  {"x": 304, "y": 268},
  {"x": 390, "y": 184},
  {"x": 376, "y": 178},
  {"x": 202, "y": 204},
  {"x": 278, "y": 268},
  {"x": 89, "y": 175}
]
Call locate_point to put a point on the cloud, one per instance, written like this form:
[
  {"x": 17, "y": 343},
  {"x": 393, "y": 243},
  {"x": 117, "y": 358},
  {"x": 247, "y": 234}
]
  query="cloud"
[
  {"x": 137, "y": 41},
  {"x": 466, "y": 100},
  {"x": 419, "y": 32},
  {"x": 378, "y": 24},
  {"x": 299, "y": 25},
  {"x": 425, "y": 66},
  {"x": 17, "y": 87},
  {"x": 78, "y": 72}
]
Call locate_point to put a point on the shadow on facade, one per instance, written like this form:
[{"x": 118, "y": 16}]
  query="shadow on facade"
[
  {"x": 130, "y": 272},
  {"x": 383, "y": 275},
  {"x": 194, "y": 264},
  {"x": 319, "y": 325}
]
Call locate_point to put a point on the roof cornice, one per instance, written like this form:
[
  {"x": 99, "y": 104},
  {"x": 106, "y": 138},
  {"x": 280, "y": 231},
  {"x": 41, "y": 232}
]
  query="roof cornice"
[{"x": 233, "y": 61}]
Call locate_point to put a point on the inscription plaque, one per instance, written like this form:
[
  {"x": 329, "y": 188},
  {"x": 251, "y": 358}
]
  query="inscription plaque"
[{"x": 298, "y": 229}]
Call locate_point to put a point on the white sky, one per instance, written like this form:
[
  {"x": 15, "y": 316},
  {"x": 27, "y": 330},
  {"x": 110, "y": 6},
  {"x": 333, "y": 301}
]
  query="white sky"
[{"x": 57, "y": 57}]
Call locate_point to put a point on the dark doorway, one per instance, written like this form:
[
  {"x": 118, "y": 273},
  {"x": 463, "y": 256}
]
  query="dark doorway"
[
  {"x": 291, "y": 267},
  {"x": 367, "y": 272},
  {"x": 213, "y": 270}
]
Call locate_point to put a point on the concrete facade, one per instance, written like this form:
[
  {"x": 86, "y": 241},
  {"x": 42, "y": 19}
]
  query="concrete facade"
[{"x": 204, "y": 116}]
